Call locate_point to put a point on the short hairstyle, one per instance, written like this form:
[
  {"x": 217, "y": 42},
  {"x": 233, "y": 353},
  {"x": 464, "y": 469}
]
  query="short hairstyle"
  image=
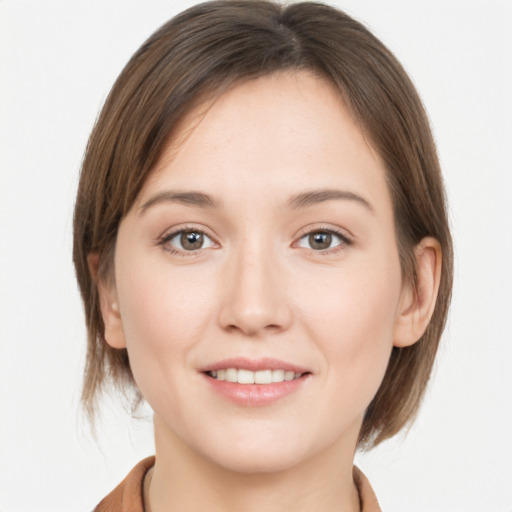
[{"x": 204, "y": 51}]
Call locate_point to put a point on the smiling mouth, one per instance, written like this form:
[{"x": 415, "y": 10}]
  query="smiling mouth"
[{"x": 242, "y": 376}]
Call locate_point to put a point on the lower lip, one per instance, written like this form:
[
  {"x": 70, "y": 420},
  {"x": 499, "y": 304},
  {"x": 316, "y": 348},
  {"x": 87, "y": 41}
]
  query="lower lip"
[{"x": 255, "y": 395}]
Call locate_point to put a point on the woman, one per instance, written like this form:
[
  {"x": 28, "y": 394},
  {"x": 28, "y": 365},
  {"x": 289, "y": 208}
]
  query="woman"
[{"x": 263, "y": 252}]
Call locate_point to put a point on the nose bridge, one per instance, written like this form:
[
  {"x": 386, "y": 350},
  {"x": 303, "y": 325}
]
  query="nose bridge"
[{"x": 254, "y": 299}]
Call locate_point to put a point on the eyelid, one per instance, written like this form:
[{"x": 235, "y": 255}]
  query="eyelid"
[
  {"x": 342, "y": 233},
  {"x": 168, "y": 235},
  {"x": 346, "y": 239}
]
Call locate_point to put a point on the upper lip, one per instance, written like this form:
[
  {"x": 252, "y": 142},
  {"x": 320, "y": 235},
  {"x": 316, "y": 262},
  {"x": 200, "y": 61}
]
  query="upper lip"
[{"x": 243, "y": 363}]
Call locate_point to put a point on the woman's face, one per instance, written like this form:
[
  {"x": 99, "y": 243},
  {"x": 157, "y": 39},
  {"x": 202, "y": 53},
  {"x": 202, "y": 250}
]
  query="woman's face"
[{"x": 264, "y": 242}]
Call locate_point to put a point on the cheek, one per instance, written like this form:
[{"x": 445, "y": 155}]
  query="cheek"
[
  {"x": 165, "y": 313},
  {"x": 354, "y": 322}
]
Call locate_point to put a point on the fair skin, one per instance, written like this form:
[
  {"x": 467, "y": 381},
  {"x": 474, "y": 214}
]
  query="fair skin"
[{"x": 316, "y": 286}]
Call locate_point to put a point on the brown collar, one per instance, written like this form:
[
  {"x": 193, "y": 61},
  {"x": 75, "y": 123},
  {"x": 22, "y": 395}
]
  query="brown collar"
[{"x": 130, "y": 493}]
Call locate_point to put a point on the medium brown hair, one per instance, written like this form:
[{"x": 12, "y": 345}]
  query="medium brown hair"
[{"x": 205, "y": 50}]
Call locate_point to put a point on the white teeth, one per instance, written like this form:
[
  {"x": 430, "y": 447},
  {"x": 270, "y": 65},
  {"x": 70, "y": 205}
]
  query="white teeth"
[
  {"x": 245, "y": 377},
  {"x": 263, "y": 377},
  {"x": 277, "y": 375},
  {"x": 250, "y": 377},
  {"x": 232, "y": 375}
]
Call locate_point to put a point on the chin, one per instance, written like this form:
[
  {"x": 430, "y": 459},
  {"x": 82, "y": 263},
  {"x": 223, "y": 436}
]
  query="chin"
[
  {"x": 251, "y": 453},
  {"x": 248, "y": 462}
]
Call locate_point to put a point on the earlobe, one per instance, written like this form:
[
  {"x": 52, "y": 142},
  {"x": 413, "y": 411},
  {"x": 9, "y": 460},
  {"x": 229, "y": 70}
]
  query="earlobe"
[
  {"x": 109, "y": 305},
  {"x": 418, "y": 302}
]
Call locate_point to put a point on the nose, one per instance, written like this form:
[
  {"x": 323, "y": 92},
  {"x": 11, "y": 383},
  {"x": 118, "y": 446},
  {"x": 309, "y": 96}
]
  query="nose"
[{"x": 254, "y": 297}]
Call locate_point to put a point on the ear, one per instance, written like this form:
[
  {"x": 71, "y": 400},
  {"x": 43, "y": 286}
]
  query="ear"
[
  {"x": 109, "y": 305},
  {"x": 417, "y": 303}
]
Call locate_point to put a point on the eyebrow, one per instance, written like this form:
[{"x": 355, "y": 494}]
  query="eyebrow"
[
  {"x": 312, "y": 197},
  {"x": 198, "y": 199},
  {"x": 296, "y": 202}
]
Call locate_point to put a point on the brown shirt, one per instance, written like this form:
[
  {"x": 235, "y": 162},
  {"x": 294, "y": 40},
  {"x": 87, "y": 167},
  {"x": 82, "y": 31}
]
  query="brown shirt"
[{"x": 127, "y": 496}]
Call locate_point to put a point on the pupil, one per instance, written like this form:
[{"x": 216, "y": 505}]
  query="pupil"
[
  {"x": 320, "y": 240},
  {"x": 191, "y": 240}
]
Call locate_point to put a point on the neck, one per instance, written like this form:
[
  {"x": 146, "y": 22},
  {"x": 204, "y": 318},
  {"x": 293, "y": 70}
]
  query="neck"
[{"x": 184, "y": 480}]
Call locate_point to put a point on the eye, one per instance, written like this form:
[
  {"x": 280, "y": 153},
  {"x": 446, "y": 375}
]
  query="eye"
[
  {"x": 186, "y": 240},
  {"x": 324, "y": 240}
]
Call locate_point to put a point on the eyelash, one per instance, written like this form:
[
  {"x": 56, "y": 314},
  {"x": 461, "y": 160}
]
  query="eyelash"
[{"x": 165, "y": 239}]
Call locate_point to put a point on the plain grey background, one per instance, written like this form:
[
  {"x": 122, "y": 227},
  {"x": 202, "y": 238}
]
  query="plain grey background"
[{"x": 58, "y": 60}]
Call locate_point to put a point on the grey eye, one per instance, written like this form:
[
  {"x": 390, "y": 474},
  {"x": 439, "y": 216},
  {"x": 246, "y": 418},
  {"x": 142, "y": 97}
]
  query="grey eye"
[
  {"x": 189, "y": 240},
  {"x": 320, "y": 240}
]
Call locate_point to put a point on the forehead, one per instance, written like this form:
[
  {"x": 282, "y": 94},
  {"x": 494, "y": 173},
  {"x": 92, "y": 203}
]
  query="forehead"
[{"x": 277, "y": 133}]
